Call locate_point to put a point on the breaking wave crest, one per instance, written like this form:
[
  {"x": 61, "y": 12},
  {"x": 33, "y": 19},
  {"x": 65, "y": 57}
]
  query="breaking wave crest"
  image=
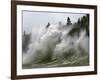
[{"x": 55, "y": 47}]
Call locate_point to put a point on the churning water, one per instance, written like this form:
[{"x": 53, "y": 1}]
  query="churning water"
[{"x": 54, "y": 47}]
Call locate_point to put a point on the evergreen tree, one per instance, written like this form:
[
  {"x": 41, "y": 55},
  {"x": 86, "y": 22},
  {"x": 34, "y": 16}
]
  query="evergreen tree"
[
  {"x": 79, "y": 21},
  {"x": 26, "y": 40},
  {"x": 68, "y": 21},
  {"x": 47, "y": 26},
  {"x": 85, "y": 23},
  {"x": 81, "y": 24},
  {"x": 87, "y": 29}
]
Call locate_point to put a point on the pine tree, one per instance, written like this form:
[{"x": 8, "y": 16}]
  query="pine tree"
[
  {"x": 79, "y": 21},
  {"x": 26, "y": 41},
  {"x": 47, "y": 26},
  {"x": 68, "y": 21}
]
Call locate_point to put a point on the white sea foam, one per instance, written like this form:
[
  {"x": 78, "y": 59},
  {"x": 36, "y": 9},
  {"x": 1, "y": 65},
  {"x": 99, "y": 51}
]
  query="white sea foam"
[{"x": 56, "y": 39}]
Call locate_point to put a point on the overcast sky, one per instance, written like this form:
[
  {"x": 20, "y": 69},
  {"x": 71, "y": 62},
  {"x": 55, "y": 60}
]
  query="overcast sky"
[{"x": 33, "y": 19}]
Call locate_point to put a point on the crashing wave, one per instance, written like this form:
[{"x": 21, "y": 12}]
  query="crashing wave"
[{"x": 53, "y": 46}]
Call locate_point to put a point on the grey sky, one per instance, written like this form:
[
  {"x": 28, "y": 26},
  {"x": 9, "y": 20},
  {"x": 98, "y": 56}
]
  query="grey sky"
[{"x": 33, "y": 20}]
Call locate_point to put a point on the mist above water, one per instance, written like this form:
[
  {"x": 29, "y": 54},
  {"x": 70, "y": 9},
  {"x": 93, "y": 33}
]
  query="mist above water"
[{"x": 54, "y": 46}]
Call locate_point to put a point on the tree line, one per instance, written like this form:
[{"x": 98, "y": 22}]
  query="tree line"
[{"x": 82, "y": 23}]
